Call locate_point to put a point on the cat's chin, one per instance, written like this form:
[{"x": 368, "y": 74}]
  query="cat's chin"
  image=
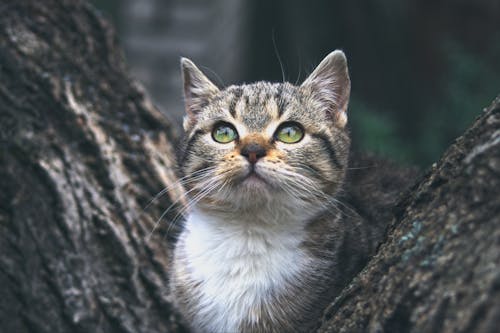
[{"x": 254, "y": 181}]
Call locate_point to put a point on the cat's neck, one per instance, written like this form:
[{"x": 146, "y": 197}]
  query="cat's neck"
[
  {"x": 275, "y": 213},
  {"x": 247, "y": 222},
  {"x": 227, "y": 257}
]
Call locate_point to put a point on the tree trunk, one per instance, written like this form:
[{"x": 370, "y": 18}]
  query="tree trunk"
[
  {"x": 438, "y": 270},
  {"x": 83, "y": 151}
]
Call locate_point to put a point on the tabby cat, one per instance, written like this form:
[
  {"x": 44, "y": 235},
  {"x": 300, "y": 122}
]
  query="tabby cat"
[{"x": 266, "y": 244}]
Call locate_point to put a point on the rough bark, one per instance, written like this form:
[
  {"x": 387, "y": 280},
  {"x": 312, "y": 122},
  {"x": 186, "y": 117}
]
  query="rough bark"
[
  {"x": 439, "y": 268},
  {"x": 83, "y": 151}
]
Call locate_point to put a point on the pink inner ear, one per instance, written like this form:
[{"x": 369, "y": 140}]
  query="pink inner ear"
[
  {"x": 331, "y": 84},
  {"x": 198, "y": 89},
  {"x": 341, "y": 119}
]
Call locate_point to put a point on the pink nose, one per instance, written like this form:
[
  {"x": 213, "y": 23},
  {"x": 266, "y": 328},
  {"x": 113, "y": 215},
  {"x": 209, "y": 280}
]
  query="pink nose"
[{"x": 253, "y": 151}]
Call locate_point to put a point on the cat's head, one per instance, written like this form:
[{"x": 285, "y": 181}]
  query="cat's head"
[{"x": 253, "y": 144}]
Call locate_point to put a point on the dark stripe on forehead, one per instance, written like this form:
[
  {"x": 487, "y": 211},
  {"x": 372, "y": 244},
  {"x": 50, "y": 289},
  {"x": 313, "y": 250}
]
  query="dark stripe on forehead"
[
  {"x": 281, "y": 102},
  {"x": 263, "y": 95},
  {"x": 234, "y": 100},
  {"x": 329, "y": 148},
  {"x": 246, "y": 98},
  {"x": 189, "y": 145}
]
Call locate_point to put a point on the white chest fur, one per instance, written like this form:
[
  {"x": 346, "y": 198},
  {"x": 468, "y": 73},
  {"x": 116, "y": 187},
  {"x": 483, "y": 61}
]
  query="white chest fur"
[{"x": 238, "y": 265}]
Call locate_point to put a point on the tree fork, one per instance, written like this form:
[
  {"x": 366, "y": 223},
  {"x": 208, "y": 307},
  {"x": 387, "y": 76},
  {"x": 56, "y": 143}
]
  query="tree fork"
[{"x": 83, "y": 151}]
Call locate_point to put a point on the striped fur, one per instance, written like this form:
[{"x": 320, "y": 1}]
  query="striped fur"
[{"x": 265, "y": 253}]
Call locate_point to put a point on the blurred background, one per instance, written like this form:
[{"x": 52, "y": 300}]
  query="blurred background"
[{"x": 421, "y": 70}]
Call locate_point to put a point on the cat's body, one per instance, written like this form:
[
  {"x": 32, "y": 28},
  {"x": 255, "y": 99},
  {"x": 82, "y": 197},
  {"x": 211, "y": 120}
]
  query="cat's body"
[
  {"x": 265, "y": 244},
  {"x": 282, "y": 282}
]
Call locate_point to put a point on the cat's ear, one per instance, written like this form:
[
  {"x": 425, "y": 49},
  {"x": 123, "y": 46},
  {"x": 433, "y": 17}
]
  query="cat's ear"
[
  {"x": 330, "y": 83},
  {"x": 198, "y": 89}
]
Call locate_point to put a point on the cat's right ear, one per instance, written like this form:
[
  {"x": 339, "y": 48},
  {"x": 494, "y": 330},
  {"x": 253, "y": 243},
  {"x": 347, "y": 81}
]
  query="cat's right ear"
[{"x": 198, "y": 90}]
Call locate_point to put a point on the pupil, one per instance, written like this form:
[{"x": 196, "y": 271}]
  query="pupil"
[{"x": 224, "y": 132}]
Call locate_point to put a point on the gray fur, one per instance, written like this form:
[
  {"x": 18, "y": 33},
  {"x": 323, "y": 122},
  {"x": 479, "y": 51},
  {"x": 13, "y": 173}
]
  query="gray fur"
[{"x": 336, "y": 240}]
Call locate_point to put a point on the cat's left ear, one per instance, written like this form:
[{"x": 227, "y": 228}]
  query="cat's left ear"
[
  {"x": 198, "y": 89},
  {"x": 330, "y": 83}
]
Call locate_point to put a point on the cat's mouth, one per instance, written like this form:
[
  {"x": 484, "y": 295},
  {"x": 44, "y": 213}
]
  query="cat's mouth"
[{"x": 253, "y": 178}]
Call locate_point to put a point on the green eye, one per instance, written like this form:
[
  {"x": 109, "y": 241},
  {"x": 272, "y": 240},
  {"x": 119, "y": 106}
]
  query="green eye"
[
  {"x": 224, "y": 133},
  {"x": 290, "y": 133}
]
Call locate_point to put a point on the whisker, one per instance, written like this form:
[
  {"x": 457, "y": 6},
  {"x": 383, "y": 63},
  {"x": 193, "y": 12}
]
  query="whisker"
[
  {"x": 204, "y": 189},
  {"x": 278, "y": 56},
  {"x": 198, "y": 174},
  {"x": 302, "y": 187},
  {"x": 362, "y": 167},
  {"x": 199, "y": 196},
  {"x": 165, "y": 212}
]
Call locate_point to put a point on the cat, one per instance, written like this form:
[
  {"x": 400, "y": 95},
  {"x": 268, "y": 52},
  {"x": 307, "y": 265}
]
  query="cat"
[{"x": 266, "y": 244}]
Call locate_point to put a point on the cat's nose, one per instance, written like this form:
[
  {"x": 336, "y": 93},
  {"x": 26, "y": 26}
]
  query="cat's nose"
[{"x": 253, "y": 151}]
